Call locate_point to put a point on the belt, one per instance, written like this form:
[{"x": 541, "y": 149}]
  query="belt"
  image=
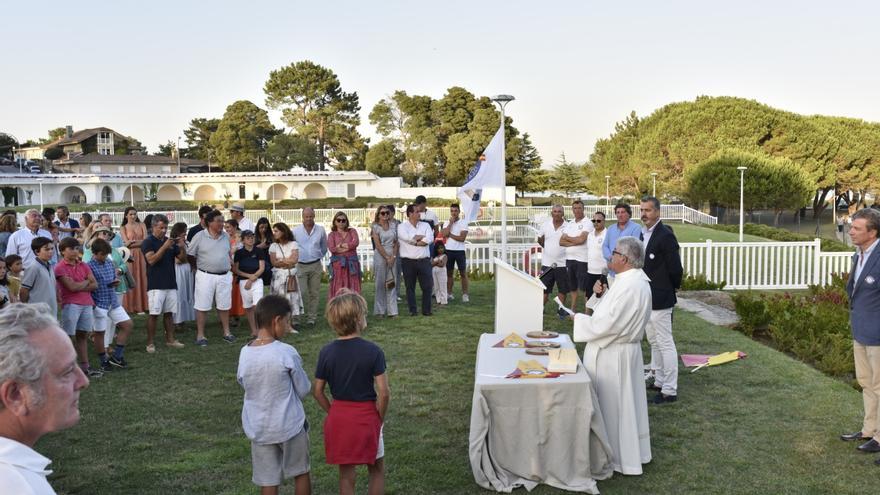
[
  {"x": 213, "y": 273},
  {"x": 307, "y": 262},
  {"x": 416, "y": 259}
]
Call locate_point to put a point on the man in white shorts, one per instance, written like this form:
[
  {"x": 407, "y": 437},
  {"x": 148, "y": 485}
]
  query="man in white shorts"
[
  {"x": 160, "y": 252},
  {"x": 213, "y": 279}
]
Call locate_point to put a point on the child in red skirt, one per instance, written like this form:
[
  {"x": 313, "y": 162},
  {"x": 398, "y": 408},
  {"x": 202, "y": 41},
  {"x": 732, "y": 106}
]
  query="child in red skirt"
[{"x": 355, "y": 370}]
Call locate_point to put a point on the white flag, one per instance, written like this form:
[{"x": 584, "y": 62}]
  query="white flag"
[{"x": 487, "y": 172}]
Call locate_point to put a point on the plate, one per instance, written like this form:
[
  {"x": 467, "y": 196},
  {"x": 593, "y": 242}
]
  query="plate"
[
  {"x": 537, "y": 351},
  {"x": 545, "y": 345},
  {"x": 542, "y": 335}
]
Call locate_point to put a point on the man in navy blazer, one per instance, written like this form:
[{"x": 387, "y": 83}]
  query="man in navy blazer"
[
  {"x": 863, "y": 289},
  {"x": 663, "y": 267}
]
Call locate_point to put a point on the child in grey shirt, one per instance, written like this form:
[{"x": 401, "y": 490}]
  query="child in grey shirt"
[{"x": 273, "y": 417}]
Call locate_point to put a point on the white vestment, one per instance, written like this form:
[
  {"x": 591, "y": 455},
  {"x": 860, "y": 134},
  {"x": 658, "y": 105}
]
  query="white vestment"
[{"x": 613, "y": 358}]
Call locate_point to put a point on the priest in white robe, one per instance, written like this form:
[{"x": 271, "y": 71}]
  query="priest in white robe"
[{"x": 613, "y": 355}]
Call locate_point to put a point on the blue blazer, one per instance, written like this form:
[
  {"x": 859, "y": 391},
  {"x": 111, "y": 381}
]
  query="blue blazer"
[{"x": 864, "y": 300}]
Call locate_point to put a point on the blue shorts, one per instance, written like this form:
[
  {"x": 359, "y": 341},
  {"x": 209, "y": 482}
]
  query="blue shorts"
[
  {"x": 453, "y": 257},
  {"x": 77, "y": 318}
]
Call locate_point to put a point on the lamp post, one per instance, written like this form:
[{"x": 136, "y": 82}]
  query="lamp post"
[
  {"x": 131, "y": 193},
  {"x": 742, "y": 172},
  {"x": 654, "y": 179},
  {"x": 607, "y": 192},
  {"x": 178, "y": 154},
  {"x": 40, "y": 181},
  {"x": 502, "y": 101}
]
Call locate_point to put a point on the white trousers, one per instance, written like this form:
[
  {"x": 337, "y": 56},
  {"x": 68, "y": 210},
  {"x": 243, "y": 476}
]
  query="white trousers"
[
  {"x": 439, "y": 274},
  {"x": 664, "y": 356}
]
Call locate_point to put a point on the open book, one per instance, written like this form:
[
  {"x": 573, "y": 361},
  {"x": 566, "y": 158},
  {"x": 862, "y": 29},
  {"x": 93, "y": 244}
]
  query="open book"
[{"x": 563, "y": 360}]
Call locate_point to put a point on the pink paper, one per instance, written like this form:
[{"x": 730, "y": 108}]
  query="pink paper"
[{"x": 691, "y": 360}]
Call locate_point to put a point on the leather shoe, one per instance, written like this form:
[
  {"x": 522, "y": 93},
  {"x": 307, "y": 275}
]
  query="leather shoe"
[
  {"x": 870, "y": 447},
  {"x": 662, "y": 398},
  {"x": 851, "y": 437}
]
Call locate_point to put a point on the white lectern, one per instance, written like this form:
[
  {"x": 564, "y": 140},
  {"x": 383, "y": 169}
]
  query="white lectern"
[{"x": 519, "y": 300}]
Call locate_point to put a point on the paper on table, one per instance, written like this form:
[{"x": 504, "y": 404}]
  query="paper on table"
[
  {"x": 512, "y": 340},
  {"x": 563, "y": 360},
  {"x": 531, "y": 369}
]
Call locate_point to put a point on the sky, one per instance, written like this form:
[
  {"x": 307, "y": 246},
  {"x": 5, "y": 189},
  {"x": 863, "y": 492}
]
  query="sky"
[{"x": 145, "y": 69}]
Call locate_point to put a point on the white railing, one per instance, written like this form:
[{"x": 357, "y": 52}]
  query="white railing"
[
  {"x": 755, "y": 265},
  {"x": 488, "y": 214},
  {"x": 763, "y": 265}
]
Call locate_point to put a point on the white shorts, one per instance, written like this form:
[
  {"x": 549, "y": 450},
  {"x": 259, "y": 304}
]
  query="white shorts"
[
  {"x": 213, "y": 289},
  {"x": 250, "y": 297},
  {"x": 104, "y": 317},
  {"x": 161, "y": 301}
]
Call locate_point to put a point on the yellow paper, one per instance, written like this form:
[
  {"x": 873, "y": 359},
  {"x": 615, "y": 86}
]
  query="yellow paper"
[
  {"x": 563, "y": 360},
  {"x": 724, "y": 357},
  {"x": 531, "y": 369},
  {"x": 514, "y": 340}
]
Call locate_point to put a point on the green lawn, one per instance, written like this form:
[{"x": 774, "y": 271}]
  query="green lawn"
[
  {"x": 171, "y": 424},
  {"x": 694, "y": 233}
]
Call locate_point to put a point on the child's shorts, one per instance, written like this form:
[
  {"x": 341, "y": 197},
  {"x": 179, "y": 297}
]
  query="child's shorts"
[{"x": 276, "y": 462}]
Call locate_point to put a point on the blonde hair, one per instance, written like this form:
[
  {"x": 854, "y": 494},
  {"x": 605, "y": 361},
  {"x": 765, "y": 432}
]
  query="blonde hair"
[{"x": 347, "y": 313}]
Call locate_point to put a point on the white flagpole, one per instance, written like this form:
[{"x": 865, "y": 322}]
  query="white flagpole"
[{"x": 503, "y": 100}]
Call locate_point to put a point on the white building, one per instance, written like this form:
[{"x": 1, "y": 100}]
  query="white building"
[{"x": 49, "y": 189}]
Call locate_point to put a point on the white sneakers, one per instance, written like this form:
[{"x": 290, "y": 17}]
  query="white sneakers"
[{"x": 465, "y": 298}]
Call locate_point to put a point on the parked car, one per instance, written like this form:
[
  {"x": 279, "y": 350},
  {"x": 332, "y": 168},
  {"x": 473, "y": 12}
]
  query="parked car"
[{"x": 35, "y": 169}]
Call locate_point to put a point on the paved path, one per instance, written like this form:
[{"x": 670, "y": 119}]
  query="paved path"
[{"x": 711, "y": 313}]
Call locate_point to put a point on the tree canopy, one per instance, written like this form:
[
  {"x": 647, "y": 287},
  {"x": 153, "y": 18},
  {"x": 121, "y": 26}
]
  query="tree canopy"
[
  {"x": 675, "y": 139},
  {"x": 242, "y": 136},
  {"x": 313, "y": 104}
]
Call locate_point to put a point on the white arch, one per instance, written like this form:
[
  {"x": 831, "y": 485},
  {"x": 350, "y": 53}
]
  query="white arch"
[
  {"x": 169, "y": 192},
  {"x": 106, "y": 194},
  {"x": 276, "y": 192},
  {"x": 205, "y": 192},
  {"x": 137, "y": 191},
  {"x": 315, "y": 191}
]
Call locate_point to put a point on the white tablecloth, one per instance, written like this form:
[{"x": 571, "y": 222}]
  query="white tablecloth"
[{"x": 534, "y": 430}]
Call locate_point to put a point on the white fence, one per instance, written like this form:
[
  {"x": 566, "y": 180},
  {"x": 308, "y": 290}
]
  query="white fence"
[
  {"x": 755, "y": 265},
  {"x": 488, "y": 214}
]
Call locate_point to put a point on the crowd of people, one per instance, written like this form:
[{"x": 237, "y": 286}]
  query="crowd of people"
[{"x": 83, "y": 279}]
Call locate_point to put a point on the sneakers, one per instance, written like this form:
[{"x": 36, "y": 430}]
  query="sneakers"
[
  {"x": 202, "y": 342},
  {"x": 151, "y": 349},
  {"x": 175, "y": 344},
  {"x": 93, "y": 373},
  {"x": 106, "y": 367},
  {"x": 119, "y": 363},
  {"x": 229, "y": 338},
  {"x": 465, "y": 298},
  {"x": 450, "y": 297}
]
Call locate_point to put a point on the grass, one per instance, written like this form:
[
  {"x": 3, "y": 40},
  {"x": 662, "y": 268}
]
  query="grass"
[
  {"x": 171, "y": 424},
  {"x": 694, "y": 233}
]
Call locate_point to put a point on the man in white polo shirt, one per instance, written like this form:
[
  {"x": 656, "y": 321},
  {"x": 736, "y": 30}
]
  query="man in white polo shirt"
[
  {"x": 553, "y": 255},
  {"x": 597, "y": 266},
  {"x": 40, "y": 383},
  {"x": 244, "y": 223},
  {"x": 20, "y": 241},
  {"x": 213, "y": 278},
  {"x": 574, "y": 240},
  {"x": 455, "y": 230}
]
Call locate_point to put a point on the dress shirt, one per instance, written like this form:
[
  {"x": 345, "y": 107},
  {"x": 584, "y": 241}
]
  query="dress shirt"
[
  {"x": 646, "y": 234},
  {"x": 862, "y": 260},
  {"x": 456, "y": 229},
  {"x": 22, "y": 469},
  {"x": 312, "y": 245},
  {"x": 631, "y": 229},
  {"x": 405, "y": 234}
]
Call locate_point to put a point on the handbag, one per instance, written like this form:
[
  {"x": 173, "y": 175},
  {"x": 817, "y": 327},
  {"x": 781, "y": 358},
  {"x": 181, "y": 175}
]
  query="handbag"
[
  {"x": 292, "y": 285},
  {"x": 389, "y": 279},
  {"x": 129, "y": 280}
]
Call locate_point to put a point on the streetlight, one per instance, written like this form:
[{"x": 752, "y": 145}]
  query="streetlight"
[
  {"x": 40, "y": 181},
  {"x": 178, "y": 154},
  {"x": 502, "y": 101},
  {"x": 131, "y": 193},
  {"x": 742, "y": 171},
  {"x": 607, "y": 192},
  {"x": 654, "y": 178}
]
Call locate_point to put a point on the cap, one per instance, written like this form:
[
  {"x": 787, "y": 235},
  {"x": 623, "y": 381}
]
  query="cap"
[
  {"x": 237, "y": 208},
  {"x": 247, "y": 233}
]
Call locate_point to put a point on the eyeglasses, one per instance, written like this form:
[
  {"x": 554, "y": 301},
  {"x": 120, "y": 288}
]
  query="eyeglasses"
[
  {"x": 618, "y": 253},
  {"x": 597, "y": 221},
  {"x": 341, "y": 220}
]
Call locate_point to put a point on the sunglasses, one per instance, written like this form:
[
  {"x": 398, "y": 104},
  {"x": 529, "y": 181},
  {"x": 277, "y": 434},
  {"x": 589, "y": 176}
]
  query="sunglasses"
[
  {"x": 341, "y": 220},
  {"x": 597, "y": 221},
  {"x": 384, "y": 212}
]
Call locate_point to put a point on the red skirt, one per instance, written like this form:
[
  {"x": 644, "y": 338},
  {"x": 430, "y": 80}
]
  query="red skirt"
[{"x": 351, "y": 432}]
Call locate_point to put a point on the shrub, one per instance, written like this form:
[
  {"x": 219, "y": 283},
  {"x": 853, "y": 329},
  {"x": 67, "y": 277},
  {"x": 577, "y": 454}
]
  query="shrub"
[
  {"x": 752, "y": 310},
  {"x": 699, "y": 282}
]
